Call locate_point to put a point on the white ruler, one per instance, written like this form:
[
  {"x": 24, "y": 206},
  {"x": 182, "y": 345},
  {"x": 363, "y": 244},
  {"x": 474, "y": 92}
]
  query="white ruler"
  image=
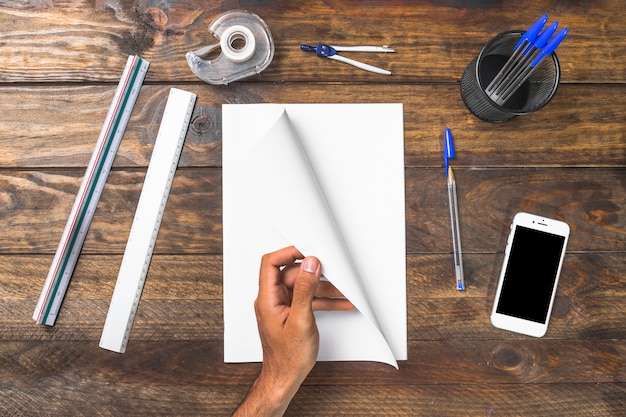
[
  {"x": 89, "y": 192},
  {"x": 143, "y": 232}
]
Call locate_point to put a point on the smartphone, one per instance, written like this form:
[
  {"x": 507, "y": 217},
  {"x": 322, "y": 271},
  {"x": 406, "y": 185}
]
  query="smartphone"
[{"x": 530, "y": 273}]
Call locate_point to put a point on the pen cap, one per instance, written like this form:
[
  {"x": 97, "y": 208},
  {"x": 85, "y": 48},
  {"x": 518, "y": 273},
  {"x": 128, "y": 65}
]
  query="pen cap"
[
  {"x": 534, "y": 92},
  {"x": 448, "y": 148},
  {"x": 551, "y": 46},
  {"x": 531, "y": 34},
  {"x": 448, "y": 144}
]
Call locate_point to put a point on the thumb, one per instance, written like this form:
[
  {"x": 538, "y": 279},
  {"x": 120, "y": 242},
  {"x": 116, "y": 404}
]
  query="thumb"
[{"x": 306, "y": 284}]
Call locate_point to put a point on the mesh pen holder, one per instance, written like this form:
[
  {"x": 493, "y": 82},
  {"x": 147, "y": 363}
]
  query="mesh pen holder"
[{"x": 533, "y": 94}]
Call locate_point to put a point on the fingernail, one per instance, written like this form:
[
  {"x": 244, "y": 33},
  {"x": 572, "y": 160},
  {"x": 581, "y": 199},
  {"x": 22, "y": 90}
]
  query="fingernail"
[{"x": 309, "y": 265}]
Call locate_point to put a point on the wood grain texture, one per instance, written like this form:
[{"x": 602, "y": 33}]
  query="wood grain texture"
[
  {"x": 177, "y": 378},
  {"x": 38, "y": 203},
  {"x": 64, "y": 123},
  {"x": 61, "y": 62},
  {"x": 81, "y": 41},
  {"x": 411, "y": 400},
  {"x": 197, "y": 363},
  {"x": 199, "y": 320}
]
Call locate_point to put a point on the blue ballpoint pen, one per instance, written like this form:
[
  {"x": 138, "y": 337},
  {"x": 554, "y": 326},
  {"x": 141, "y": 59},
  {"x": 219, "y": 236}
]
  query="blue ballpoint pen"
[
  {"x": 551, "y": 46},
  {"x": 454, "y": 214},
  {"x": 448, "y": 148},
  {"x": 527, "y": 57},
  {"x": 532, "y": 32},
  {"x": 520, "y": 48},
  {"x": 521, "y": 78},
  {"x": 542, "y": 39}
]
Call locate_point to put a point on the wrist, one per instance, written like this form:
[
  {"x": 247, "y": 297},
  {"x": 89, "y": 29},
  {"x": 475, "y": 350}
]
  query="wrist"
[
  {"x": 278, "y": 387},
  {"x": 269, "y": 396}
]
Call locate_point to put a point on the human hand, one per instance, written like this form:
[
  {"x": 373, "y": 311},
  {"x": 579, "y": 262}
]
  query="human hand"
[
  {"x": 284, "y": 309},
  {"x": 289, "y": 292}
]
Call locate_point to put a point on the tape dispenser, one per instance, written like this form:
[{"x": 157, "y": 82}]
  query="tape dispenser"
[{"x": 247, "y": 48}]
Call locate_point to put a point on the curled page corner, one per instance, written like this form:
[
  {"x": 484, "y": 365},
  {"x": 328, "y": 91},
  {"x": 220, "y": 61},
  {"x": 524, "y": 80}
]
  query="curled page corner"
[{"x": 284, "y": 187}]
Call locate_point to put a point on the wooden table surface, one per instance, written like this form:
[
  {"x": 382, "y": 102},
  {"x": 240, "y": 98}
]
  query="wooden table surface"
[{"x": 60, "y": 64}]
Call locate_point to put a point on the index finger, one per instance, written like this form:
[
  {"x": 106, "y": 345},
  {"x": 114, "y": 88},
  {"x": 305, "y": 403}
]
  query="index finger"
[{"x": 272, "y": 262}]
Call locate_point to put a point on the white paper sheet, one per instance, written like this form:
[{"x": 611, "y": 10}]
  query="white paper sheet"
[{"x": 328, "y": 179}]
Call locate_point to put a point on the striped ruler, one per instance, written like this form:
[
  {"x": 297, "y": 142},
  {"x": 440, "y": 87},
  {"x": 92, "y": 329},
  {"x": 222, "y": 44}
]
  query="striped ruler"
[
  {"x": 73, "y": 237},
  {"x": 145, "y": 227}
]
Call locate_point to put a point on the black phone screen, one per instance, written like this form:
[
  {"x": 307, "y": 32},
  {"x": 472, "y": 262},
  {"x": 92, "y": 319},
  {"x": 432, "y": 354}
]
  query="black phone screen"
[{"x": 530, "y": 274}]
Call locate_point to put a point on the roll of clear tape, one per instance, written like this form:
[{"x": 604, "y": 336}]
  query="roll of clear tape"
[
  {"x": 229, "y": 43},
  {"x": 246, "y": 44}
]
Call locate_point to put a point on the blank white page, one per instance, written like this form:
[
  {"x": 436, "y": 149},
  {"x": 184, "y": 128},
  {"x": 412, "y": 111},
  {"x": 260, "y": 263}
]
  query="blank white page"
[{"x": 328, "y": 179}]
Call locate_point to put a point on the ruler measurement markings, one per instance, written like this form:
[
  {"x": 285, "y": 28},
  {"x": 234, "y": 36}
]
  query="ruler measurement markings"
[
  {"x": 77, "y": 234},
  {"x": 91, "y": 189},
  {"x": 147, "y": 220}
]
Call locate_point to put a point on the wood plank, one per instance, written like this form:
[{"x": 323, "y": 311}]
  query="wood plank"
[
  {"x": 57, "y": 126},
  {"x": 39, "y": 219},
  {"x": 199, "y": 276},
  {"x": 182, "y": 298},
  {"x": 188, "y": 277},
  {"x": 37, "y": 204},
  {"x": 85, "y": 41},
  {"x": 112, "y": 398},
  {"x": 582, "y": 198},
  {"x": 431, "y": 276},
  {"x": 467, "y": 400},
  {"x": 200, "y": 363},
  {"x": 200, "y": 320}
]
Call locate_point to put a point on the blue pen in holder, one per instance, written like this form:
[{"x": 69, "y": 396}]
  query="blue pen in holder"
[{"x": 535, "y": 89}]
